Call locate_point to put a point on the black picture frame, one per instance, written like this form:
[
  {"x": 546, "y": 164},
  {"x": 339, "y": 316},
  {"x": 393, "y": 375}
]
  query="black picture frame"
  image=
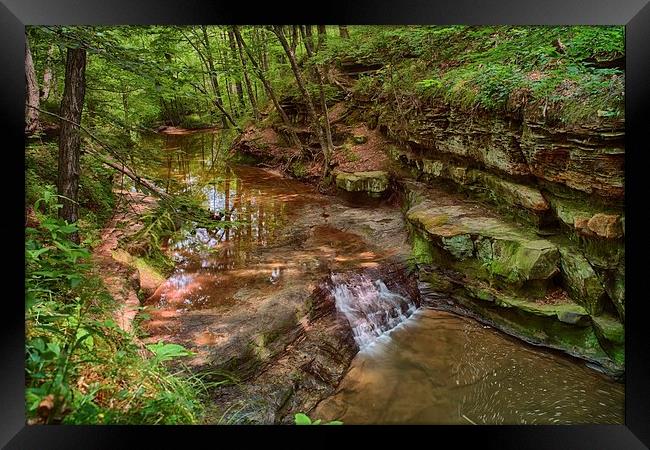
[{"x": 634, "y": 14}]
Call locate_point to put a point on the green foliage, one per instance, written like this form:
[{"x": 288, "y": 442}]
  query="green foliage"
[
  {"x": 502, "y": 68},
  {"x": 174, "y": 214},
  {"x": 298, "y": 169},
  {"x": 80, "y": 367},
  {"x": 304, "y": 419},
  {"x": 165, "y": 352},
  {"x": 196, "y": 120},
  {"x": 96, "y": 198}
]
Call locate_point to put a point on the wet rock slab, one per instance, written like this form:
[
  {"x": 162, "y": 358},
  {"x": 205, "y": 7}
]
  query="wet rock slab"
[
  {"x": 468, "y": 231},
  {"x": 375, "y": 182},
  {"x": 543, "y": 291}
]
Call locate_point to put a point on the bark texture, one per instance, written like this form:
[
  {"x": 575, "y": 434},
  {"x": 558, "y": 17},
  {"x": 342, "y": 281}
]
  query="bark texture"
[
  {"x": 32, "y": 94},
  {"x": 70, "y": 139}
]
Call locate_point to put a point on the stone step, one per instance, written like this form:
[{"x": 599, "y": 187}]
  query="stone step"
[
  {"x": 373, "y": 183},
  {"x": 470, "y": 233},
  {"x": 561, "y": 308}
]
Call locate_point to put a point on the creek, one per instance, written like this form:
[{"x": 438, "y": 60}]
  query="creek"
[{"x": 235, "y": 290}]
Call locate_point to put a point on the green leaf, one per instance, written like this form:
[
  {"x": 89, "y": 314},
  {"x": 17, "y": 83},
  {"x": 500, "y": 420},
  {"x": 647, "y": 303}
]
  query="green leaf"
[
  {"x": 54, "y": 348},
  {"x": 165, "y": 352},
  {"x": 34, "y": 254},
  {"x": 302, "y": 419}
]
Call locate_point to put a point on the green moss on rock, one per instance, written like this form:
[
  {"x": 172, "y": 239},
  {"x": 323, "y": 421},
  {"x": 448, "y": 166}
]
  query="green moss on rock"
[
  {"x": 360, "y": 139},
  {"x": 609, "y": 328},
  {"x": 515, "y": 194},
  {"x": 505, "y": 249},
  {"x": 420, "y": 249},
  {"x": 375, "y": 182},
  {"x": 581, "y": 280},
  {"x": 460, "y": 246}
]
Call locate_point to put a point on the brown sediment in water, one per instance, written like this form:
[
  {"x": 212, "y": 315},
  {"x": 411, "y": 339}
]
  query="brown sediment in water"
[
  {"x": 260, "y": 273},
  {"x": 461, "y": 372}
]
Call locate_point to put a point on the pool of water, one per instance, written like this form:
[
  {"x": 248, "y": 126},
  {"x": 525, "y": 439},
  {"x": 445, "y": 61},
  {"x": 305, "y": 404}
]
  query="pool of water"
[{"x": 439, "y": 368}]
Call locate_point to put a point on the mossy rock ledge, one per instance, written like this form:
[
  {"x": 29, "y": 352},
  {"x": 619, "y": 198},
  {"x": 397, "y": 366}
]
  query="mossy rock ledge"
[
  {"x": 374, "y": 182},
  {"x": 539, "y": 290},
  {"x": 495, "y": 248}
]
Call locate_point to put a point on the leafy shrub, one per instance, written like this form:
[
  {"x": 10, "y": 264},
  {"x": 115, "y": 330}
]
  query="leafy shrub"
[{"x": 80, "y": 366}]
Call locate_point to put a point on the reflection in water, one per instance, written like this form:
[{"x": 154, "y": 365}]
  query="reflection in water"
[
  {"x": 439, "y": 368},
  {"x": 212, "y": 259}
]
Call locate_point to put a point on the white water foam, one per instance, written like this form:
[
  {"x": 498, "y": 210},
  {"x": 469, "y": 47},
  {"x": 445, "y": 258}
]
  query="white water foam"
[{"x": 369, "y": 306}]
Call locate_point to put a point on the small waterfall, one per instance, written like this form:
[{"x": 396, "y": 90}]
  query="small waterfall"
[{"x": 369, "y": 306}]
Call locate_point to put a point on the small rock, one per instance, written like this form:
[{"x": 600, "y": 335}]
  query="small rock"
[
  {"x": 606, "y": 225},
  {"x": 581, "y": 225}
]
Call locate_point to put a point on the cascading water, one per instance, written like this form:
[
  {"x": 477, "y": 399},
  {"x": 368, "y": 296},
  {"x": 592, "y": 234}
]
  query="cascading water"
[{"x": 369, "y": 306}]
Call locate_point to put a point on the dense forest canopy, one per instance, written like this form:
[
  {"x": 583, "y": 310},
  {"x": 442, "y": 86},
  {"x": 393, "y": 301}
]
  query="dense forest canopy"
[
  {"x": 142, "y": 76},
  {"x": 95, "y": 94}
]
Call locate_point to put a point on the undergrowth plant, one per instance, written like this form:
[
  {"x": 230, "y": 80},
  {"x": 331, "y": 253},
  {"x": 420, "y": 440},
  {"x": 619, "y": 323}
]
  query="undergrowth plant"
[
  {"x": 80, "y": 367},
  {"x": 304, "y": 419}
]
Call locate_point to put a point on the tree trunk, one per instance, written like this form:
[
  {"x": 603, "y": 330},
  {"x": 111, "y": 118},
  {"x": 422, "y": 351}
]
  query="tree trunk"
[
  {"x": 69, "y": 139},
  {"x": 306, "y": 41},
  {"x": 285, "y": 119},
  {"x": 249, "y": 88},
  {"x": 48, "y": 75},
  {"x": 294, "y": 37},
  {"x": 223, "y": 56},
  {"x": 326, "y": 123},
  {"x": 214, "y": 80},
  {"x": 238, "y": 85},
  {"x": 343, "y": 32},
  {"x": 31, "y": 97},
  {"x": 309, "y": 40},
  {"x": 264, "y": 52},
  {"x": 322, "y": 37},
  {"x": 318, "y": 128},
  {"x": 133, "y": 176}
]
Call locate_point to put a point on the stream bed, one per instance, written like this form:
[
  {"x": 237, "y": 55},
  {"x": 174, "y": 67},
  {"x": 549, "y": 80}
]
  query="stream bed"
[{"x": 237, "y": 291}]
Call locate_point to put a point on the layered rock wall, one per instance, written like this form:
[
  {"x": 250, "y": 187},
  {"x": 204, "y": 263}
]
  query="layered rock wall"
[{"x": 547, "y": 234}]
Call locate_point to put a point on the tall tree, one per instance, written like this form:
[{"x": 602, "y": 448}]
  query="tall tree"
[
  {"x": 69, "y": 139},
  {"x": 306, "y": 40},
  {"x": 48, "y": 74},
  {"x": 294, "y": 37},
  {"x": 316, "y": 123},
  {"x": 214, "y": 79},
  {"x": 238, "y": 85},
  {"x": 322, "y": 36},
  {"x": 269, "y": 90},
  {"x": 309, "y": 40},
  {"x": 249, "y": 89},
  {"x": 32, "y": 94}
]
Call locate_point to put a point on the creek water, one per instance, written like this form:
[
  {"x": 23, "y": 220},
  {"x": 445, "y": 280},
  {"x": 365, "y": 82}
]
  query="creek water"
[{"x": 415, "y": 365}]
